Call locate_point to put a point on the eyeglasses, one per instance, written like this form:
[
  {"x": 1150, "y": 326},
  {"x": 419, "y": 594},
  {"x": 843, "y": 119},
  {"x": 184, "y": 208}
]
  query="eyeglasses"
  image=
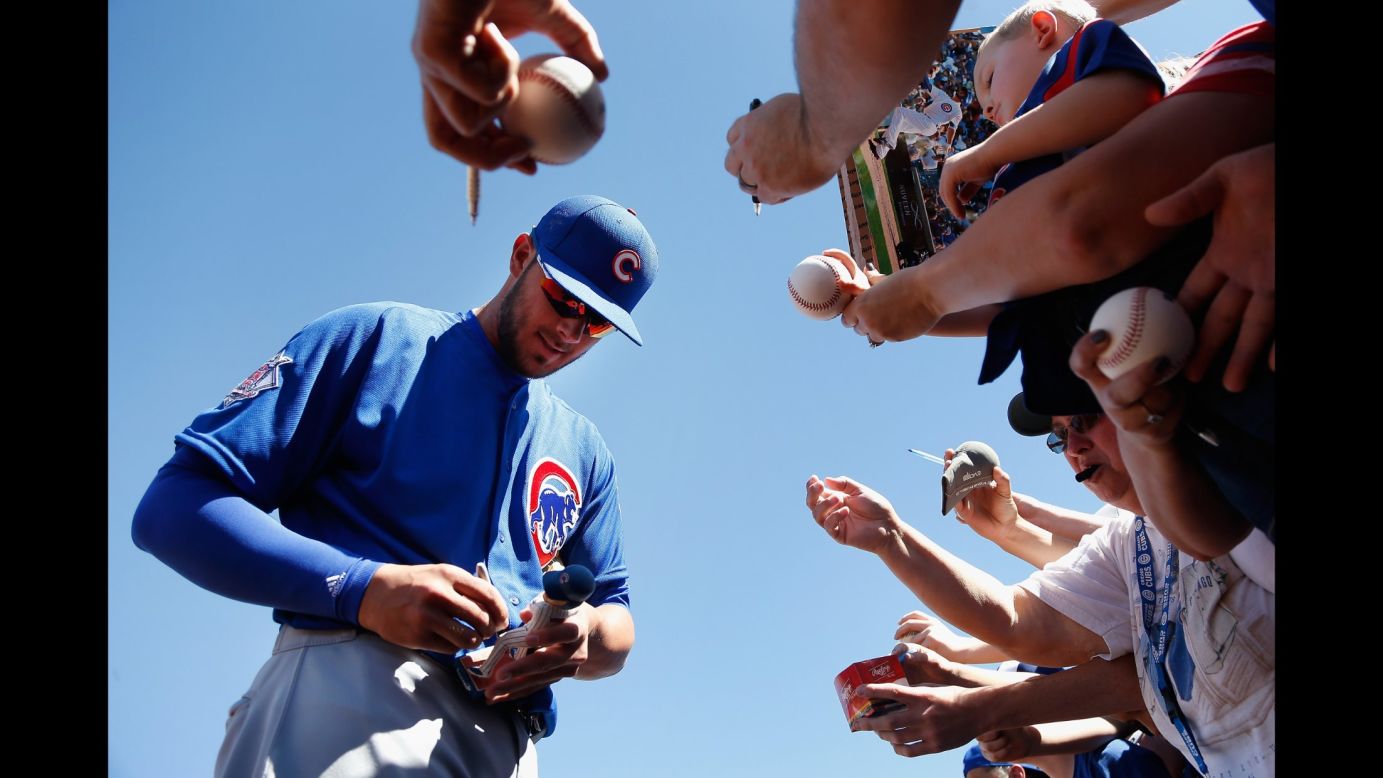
[
  {"x": 1056, "y": 441},
  {"x": 568, "y": 307}
]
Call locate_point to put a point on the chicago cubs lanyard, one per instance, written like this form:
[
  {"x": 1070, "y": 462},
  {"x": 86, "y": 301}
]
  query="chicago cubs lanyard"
[{"x": 1156, "y": 630}]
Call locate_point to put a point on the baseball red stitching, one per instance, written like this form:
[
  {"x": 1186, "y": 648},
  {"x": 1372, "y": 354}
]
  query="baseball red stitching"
[
  {"x": 817, "y": 306},
  {"x": 1137, "y": 313},
  {"x": 563, "y": 91}
]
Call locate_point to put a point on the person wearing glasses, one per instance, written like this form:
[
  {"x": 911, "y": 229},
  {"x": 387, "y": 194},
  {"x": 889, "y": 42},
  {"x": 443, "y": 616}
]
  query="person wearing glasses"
[
  {"x": 425, "y": 478},
  {"x": 1189, "y": 639}
]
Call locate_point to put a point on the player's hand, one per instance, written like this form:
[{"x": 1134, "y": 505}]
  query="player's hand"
[
  {"x": 989, "y": 510},
  {"x": 962, "y": 176},
  {"x": 1144, "y": 412},
  {"x": 1010, "y": 745},
  {"x": 936, "y": 719},
  {"x": 416, "y": 606},
  {"x": 470, "y": 70},
  {"x": 928, "y": 631},
  {"x": 852, "y": 513},
  {"x": 1237, "y": 276},
  {"x": 773, "y": 155},
  {"x": 556, "y": 651},
  {"x": 895, "y": 308}
]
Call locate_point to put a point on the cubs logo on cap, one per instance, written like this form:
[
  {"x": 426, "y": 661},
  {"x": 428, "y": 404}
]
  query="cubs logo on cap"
[{"x": 600, "y": 252}]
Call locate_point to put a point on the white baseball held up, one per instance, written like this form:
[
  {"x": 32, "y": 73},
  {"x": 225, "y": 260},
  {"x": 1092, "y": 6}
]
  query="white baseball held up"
[
  {"x": 816, "y": 287},
  {"x": 560, "y": 108},
  {"x": 1143, "y": 324}
]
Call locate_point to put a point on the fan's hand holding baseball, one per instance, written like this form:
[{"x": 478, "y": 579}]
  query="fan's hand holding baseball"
[
  {"x": 470, "y": 70},
  {"x": 1237, "y": 276},
  {"x": 414, "y": 606},
  {"x": 773, "y": 155},
  {"x": 852, "y": 513},
  {"x": 557, "y": 651},
  {"x": 1142, "y": 404},
  {"x": 963, "y": 175},
  {"x": 860, "y": 278},
  {"x": 895, "y": 308}
]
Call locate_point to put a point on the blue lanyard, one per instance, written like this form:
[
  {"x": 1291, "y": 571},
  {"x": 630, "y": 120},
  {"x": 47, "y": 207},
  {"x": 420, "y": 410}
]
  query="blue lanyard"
[{"x": 1156, "y": 629}]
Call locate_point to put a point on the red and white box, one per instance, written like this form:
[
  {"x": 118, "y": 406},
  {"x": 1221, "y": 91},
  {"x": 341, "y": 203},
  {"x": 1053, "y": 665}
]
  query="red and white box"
[{"x": 885, "y": 669}]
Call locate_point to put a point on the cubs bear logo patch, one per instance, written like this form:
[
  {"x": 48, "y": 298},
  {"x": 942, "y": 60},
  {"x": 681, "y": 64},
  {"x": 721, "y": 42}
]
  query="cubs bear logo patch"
[
  {"x": 554, "y": 507},
  {"x": 263, "y": 379}
]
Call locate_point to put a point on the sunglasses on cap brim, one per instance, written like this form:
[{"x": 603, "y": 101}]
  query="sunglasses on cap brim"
[{"x": 568, "y": 307}]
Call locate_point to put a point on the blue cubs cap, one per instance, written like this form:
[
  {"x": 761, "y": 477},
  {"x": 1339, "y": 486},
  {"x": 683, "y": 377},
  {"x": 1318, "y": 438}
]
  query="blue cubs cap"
[{"x": 599, "y": 251}]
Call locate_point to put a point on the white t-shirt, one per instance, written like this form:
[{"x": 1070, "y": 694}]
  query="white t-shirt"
[{"x": 1223, "y": 664}]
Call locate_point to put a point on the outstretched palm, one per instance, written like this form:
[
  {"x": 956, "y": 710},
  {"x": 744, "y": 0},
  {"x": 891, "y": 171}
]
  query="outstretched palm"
[{"x": 851, "y": 513}]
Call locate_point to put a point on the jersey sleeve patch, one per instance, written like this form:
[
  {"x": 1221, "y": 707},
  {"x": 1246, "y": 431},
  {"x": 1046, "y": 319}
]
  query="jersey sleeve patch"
[{"x": 264, "y": 378}]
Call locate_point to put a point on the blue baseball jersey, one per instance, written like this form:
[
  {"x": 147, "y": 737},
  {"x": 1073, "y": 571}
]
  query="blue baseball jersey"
[
  {"x": 1097, "y": 47},
  {"x": 397, "y": 434}
]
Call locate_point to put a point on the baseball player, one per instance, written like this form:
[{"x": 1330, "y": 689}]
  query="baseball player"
[
  {"x": 939, "y": 111},
  {"x": 402, "y": 447},
  {"x": 941, "y": 108}
]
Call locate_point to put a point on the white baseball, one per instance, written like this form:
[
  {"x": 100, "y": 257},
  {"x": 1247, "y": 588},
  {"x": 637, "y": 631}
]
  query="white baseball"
[
  {"x": 816, "y": 287},
  {"x": 559, "y": 107},
  {"x": 1143, "y": 324}
]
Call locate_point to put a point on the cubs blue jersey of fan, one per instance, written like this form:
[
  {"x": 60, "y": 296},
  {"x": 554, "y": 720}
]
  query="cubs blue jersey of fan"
[
  {"x": 396, "y": 434},
  {"x": 1099, "y": 46}
]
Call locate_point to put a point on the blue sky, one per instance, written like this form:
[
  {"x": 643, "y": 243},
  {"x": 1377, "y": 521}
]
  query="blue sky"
[{"x": 267, "y": 163}]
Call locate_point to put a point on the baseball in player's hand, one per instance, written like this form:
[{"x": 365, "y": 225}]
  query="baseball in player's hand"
[
  {"x": 936, "y": 719},
  {"x": 852, "y": 513},
  {"x": 556, "y": 651},
  {"x": 896, "y": 307},
  {"x": 469, "y": 70},
  {"x": 1144, "y": 411},
  {"x": 416, "y": 606},
  {"x": 963, "y": 175},
  {"x": 1237, "y": 277},
  {"x": 772, "y": 154}
]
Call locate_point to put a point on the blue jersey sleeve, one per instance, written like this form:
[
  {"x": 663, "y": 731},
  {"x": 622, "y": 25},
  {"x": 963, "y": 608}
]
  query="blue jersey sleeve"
[
  {"x": 598, "y": 543},
  {"x": 205, "y": 515},
  {"x": 278, "y": 427},
  {"x": 194, "y": 521}
]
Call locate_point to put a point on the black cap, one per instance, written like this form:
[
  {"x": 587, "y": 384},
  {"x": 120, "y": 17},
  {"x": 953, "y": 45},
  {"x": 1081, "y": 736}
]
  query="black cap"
[{"x": 1025, "y": 422}]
